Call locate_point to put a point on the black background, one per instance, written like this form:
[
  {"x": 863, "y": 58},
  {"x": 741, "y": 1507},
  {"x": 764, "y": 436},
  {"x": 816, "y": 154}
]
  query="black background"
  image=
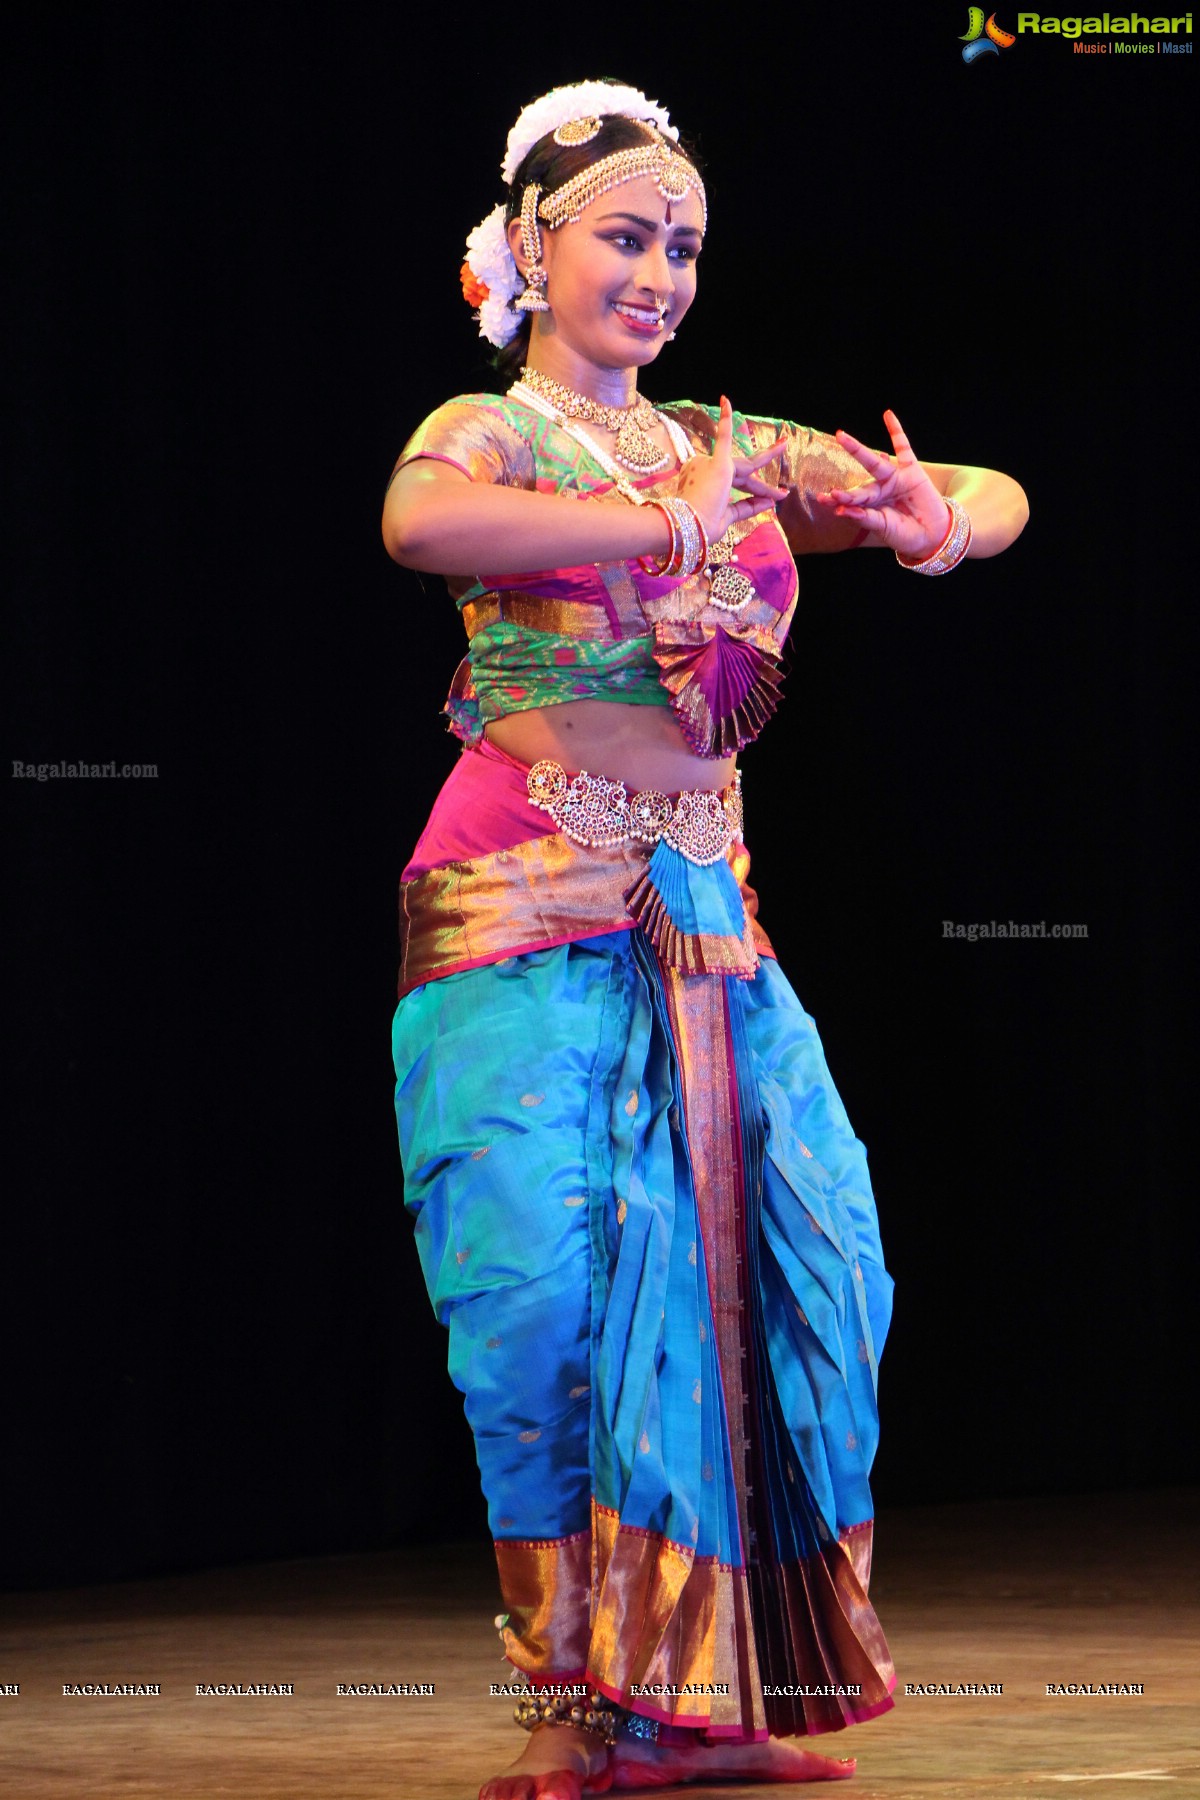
[{"x": 237, "y": 237}]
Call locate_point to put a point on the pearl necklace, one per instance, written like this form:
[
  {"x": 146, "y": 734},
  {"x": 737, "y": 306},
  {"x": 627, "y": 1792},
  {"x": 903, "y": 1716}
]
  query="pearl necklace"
[{"x": 635, "y": 449}]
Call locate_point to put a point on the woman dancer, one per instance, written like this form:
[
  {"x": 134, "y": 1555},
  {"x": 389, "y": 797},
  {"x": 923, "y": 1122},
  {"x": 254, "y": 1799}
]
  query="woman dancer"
[{"x": 640, "y": 1207}]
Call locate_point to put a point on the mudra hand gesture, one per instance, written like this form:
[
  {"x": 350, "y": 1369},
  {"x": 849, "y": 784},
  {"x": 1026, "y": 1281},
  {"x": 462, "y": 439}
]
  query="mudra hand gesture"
[
  {"x": 709, "y": 483},
  {"x": 900, "y": 507}
]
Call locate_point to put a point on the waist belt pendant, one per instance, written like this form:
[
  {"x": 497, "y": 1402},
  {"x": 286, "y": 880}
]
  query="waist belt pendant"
[{"x": 687, "y": 900}]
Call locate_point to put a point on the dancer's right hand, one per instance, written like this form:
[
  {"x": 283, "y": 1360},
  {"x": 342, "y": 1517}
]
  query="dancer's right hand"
[{"x": 707, "y": 481}]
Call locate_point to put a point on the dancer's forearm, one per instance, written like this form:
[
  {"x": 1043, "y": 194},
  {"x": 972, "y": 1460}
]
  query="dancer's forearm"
[
  {"x": 445, "y": 524},
  {"x": 996, "y": 504}
]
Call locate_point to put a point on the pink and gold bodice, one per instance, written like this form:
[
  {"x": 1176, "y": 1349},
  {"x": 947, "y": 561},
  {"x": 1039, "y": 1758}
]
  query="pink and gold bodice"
[{"x": 609, "y": 630}]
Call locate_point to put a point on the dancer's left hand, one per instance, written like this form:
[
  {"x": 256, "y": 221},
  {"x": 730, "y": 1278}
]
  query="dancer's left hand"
[{"x": 900, "y": 506}]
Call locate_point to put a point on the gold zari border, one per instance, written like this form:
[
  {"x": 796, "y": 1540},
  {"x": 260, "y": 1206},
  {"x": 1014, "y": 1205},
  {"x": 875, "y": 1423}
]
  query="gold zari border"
[
  {"x": 545, "y": 891},
  {"x": 562, "y": 618},
  {"x": 619, "y": 1607}
]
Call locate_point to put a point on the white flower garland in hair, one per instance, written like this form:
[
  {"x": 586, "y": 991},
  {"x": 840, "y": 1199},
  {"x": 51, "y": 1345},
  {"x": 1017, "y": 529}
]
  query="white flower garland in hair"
[
  {"x": 488, "y": 255},
  {"x": 491, "y": 261},
  {"x": 587, "y": 99}
]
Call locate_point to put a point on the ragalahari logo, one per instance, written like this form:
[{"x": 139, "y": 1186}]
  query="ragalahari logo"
[{"x": 982, "y": 39}]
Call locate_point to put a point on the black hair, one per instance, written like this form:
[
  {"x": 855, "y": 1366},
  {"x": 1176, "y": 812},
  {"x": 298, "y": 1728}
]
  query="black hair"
[{"x": 552, "y": 165}]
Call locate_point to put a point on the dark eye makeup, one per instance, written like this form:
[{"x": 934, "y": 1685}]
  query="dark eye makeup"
[{"x": 685, "y": 252}]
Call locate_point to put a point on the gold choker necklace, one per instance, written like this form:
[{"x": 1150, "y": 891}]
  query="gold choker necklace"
[{"x": 635, "y": 448}]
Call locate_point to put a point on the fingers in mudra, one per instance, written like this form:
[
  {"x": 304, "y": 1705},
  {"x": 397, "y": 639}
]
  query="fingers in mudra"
[
  {"x": 728, "y": 489},
  {"x": 900, "y": 443},
  {"x": 901, "y": 447},
  {"x": 871, "y": 493},
  {"x": 750, "y": 465},
  {"x": 892, "y": 480},
  {"x": 895, "y": 472},
  {"x": 864, "y": 505},
  {"x": 873, "y": 461},
  {"x": 753, "y": 484},
  {"x": 743, "y": 466},
  {"x": 870, "y": 517},
  {"x": 750, "y": 484}
]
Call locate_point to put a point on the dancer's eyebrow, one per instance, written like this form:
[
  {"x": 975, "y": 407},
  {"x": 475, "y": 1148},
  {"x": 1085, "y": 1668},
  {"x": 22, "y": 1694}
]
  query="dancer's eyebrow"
[{"x": 647, "y": 224}]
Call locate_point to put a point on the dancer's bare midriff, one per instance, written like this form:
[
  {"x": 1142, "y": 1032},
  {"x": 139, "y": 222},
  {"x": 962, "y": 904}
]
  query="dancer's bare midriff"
[{"x": 639, "y": 745}]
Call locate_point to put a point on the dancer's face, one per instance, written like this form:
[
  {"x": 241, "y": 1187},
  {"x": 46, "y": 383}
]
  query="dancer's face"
[{"x": 609, "y": 275}]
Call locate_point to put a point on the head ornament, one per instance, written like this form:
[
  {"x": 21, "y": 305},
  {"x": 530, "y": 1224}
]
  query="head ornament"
[
  {"x": 584, "y": 100},
  {"x": 673, "y": 175}
]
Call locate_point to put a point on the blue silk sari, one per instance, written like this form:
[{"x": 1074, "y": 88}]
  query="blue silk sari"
[{"x": 648, "y": 1226}]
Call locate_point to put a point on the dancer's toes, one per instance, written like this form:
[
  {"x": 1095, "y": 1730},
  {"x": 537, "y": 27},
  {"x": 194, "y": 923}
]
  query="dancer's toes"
[
  {"x": 776, "y": 1760},
  {"x": 558, "y": 1762},
  {"x": 786, "y": 1760},
  {"x": 553, "y": 1784},
  {"x": 557, "y": 1784}
]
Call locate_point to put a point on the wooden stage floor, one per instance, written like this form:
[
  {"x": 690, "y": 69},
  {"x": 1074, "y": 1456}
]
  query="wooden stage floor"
[{"x": 1094, "y": 1589}]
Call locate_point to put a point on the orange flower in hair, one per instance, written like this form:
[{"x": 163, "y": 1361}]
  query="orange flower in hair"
[{"x": 475, "y": 292}]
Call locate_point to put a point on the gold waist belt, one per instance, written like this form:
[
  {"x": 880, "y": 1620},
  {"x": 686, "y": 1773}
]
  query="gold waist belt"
[{"x": 594, "y": 811}]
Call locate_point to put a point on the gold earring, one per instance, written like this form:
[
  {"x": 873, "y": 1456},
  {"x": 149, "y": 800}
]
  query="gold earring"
[{"x": 534, "y": 298}]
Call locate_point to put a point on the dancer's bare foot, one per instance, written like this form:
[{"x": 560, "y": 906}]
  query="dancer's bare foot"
[
  {"x": 636, "y": 1764},
  {"x": 559, "y": 1762}
]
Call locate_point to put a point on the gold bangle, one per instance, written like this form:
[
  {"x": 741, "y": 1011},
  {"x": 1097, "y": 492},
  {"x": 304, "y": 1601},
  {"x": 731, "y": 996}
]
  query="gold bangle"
[
  {"x": 705, "y": 547},
  {"x": 952, "y": 548},
  {"x": 693, "y": 543},
  {"x": 689, "y": 549},
  {"x": 661, "y": 565}
]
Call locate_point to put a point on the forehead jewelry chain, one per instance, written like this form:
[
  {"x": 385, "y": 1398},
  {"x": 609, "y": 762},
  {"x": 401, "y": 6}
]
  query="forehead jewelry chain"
[{"x": 635, "y": 448}]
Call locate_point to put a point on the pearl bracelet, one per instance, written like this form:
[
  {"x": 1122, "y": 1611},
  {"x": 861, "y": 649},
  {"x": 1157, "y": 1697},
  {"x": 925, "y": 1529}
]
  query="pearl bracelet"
[{"x": 951, "y": 550}]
